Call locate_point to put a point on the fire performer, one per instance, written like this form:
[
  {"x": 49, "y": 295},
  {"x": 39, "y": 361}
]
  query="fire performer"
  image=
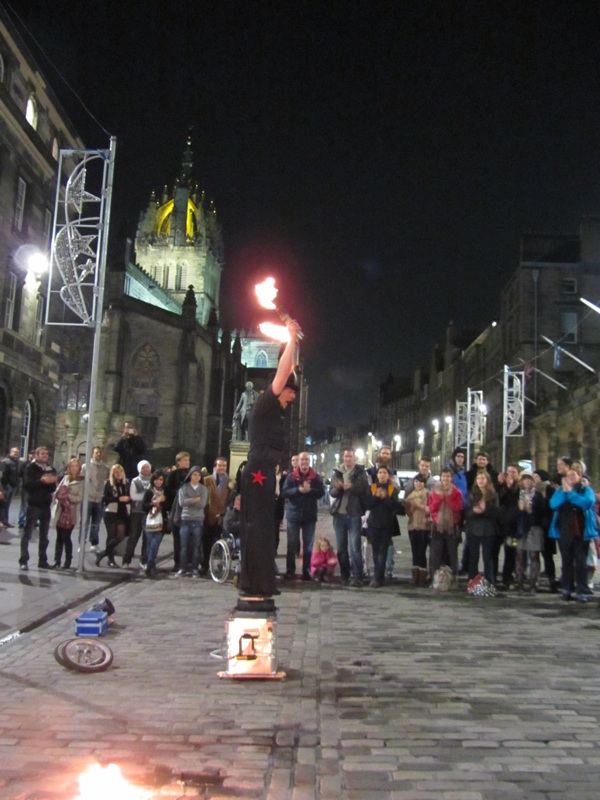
[{"x": 266, "y": 435}]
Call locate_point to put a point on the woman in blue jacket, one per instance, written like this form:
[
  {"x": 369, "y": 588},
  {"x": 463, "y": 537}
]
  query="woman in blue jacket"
[{"x": 574, "y": 525}]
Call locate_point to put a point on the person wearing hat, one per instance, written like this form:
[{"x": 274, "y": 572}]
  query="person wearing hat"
[
  {"x": 138, "y": 488},
  {"x": 530, "y": 541},
  {"x": 266, "y": 432}
]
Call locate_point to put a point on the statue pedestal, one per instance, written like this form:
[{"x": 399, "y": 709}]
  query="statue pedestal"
[{"x": 238, "y": 452}]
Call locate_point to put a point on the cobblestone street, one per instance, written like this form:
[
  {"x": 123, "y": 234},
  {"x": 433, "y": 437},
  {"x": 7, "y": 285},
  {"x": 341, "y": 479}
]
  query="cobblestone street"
[{"x": 391, "y": 694}]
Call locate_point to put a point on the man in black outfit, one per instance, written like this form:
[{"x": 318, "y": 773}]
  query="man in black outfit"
[
  {"x": 39, "y": 481},
  {"x": 266, "y": 433},
  {"x": 131, "y": 449}
]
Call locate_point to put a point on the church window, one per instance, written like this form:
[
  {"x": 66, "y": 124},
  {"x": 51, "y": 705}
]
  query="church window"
[
  {"x": 181, "y": 280},
  {"x": 260, "y": 360},
  {"x": 145, "y": 381}
]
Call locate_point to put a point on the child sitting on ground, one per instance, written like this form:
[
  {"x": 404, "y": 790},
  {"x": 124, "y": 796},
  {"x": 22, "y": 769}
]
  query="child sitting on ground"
[{"x": 323, "y": 560}]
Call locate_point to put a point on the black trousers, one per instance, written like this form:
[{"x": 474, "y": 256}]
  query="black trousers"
[{"x": 257, "y": 514}]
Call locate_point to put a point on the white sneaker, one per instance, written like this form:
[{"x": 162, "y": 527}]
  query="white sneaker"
[{"x": 93, "y": 548}]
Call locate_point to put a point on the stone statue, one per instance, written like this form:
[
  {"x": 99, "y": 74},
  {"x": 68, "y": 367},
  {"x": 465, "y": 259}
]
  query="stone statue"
[{"x": 241, "y": 415}]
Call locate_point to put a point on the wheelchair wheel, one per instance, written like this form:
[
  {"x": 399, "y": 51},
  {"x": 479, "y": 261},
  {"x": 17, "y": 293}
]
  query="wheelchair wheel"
[
  {"x": 59, "y": 654},
  {"x": 220, "y": 561},
  {"x": 85, "y": 655}
]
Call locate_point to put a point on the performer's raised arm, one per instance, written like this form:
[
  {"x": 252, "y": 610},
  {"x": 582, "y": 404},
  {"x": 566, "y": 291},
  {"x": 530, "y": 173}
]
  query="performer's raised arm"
[{"x": 286, "y": 362}]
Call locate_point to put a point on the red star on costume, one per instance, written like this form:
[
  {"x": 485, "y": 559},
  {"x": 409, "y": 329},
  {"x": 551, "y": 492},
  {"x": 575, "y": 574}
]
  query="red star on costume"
[{"x": 258, "y": 477}]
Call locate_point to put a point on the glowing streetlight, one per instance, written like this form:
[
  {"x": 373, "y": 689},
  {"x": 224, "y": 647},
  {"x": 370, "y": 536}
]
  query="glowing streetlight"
[{"x": 32, "y": 260}]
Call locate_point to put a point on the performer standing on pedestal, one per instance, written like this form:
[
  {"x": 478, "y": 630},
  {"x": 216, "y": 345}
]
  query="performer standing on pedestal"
[{"x": 266, "y": 434}]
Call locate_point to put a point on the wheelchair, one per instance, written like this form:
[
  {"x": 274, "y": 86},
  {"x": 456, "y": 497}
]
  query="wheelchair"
[{"x": 223, "y": 555}]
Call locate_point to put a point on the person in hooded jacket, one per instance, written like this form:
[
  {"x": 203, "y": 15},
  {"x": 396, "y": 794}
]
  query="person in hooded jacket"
[
  {"x": 193, "y": 497},
  {"x": 574, "y": 524}
]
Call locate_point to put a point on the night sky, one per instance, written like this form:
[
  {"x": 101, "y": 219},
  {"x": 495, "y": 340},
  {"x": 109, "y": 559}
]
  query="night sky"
[{"x": 380, "y": 159}]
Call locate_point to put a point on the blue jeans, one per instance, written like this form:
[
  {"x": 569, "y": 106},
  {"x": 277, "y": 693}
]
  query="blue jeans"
[
  {"x": 347, "y": 529},
  {"x": 190, "y": 534},
  {"x": 94, "y": 518},
  {"x": 293, "y": 544},
  {"x": 153, "y": 540}
]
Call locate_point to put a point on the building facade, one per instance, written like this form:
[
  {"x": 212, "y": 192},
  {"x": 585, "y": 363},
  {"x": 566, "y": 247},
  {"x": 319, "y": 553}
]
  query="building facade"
[
  {"x": 545, "y": 335},
  {"x": 33, "y": 128}
]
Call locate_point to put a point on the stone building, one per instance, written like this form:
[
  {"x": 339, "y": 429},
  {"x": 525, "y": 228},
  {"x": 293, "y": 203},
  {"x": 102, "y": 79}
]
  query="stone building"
[
  {"x": 33, "y": 128},
  {"x": 165, "y": 364},
  {"x": 562, "y": 409}
]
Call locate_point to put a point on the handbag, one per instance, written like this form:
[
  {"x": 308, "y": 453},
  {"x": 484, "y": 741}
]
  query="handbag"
[
  {"x": 175, "y": 514},
  {"x": 154, "y": 521}
]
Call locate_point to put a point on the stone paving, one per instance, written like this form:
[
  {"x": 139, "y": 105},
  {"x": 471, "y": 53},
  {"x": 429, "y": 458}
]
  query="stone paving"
[{"x": 391, "y": 694}]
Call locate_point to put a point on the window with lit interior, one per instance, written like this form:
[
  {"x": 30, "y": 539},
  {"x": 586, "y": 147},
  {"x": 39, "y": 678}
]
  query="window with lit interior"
[{"x": 31, "y": 111}]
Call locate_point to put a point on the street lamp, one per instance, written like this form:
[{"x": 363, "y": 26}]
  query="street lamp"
[
  {"x": 31, "y": 259},
  {"x": 33, "y": 262}
]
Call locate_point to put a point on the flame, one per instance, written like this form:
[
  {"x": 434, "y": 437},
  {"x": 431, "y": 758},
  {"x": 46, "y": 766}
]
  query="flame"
[
  {"x": 98, "y": 784},
  {"x": 277, "y": 332},
  {"x": 266, "y": 293}
]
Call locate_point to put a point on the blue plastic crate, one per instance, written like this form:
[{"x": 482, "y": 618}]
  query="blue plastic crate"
[{"x": 92, "y": 623}]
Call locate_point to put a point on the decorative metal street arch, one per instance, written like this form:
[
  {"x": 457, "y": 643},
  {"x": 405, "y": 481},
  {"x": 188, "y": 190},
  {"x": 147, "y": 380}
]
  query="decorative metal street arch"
[{"x": 78, "y": 261}]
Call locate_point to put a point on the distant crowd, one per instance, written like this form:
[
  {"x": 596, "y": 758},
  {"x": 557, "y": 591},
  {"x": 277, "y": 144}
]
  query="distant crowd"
[
  {"x": 493, "y": 527},
  {"x": 519, "y": 514}
]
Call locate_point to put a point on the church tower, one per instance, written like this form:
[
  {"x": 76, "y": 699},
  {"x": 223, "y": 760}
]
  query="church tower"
[{"x": 179, "y": 244}]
